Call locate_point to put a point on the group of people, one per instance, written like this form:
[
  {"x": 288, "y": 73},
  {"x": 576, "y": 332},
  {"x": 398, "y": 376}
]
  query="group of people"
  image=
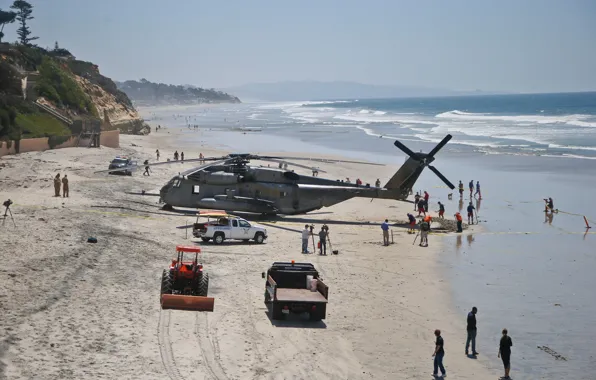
[
  {"x": 323, "y": 237},
  {"x": 471, "y": 187},
  {"x": 63, "y": 183},
  {"x": 504, "y": 352},
  {"x": 179, "y": 156}
]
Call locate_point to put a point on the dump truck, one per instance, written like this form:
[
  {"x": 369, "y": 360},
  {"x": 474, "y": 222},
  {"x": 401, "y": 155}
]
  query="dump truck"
[
  {"x": 185, "y": 284},
  {"x": 295, "y": 288}
]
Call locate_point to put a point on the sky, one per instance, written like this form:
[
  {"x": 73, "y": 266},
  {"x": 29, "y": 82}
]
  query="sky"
[{"x": 505, "y": 45}]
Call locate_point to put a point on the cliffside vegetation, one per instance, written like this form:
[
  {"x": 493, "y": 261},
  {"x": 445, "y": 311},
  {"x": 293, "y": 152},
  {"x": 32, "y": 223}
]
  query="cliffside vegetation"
[
  {"x": 70, "y": 86},
  {"x": 148, "y": 93}
]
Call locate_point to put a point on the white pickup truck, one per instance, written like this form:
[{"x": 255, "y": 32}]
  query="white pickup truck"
[{"x": 233, "y": 228}]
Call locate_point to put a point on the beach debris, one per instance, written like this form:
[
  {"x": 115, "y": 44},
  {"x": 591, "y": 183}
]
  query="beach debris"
[
  {"x": 552, "y": 352},
  {"x": 557, "y": 304},
  {"x": 91, "y": 239}
]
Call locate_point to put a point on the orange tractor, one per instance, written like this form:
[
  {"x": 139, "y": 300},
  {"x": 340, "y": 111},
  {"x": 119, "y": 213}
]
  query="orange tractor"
[{"x": 185, "y": 284}]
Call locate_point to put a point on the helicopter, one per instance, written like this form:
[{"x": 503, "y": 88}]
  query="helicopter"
[{"x": 229, "y": 183}]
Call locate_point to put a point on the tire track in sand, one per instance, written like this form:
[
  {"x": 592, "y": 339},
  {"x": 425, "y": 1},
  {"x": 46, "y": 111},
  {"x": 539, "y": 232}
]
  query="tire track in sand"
[
  {"x": 165, "y": 346},
  {"x": 209, "y": 350}
]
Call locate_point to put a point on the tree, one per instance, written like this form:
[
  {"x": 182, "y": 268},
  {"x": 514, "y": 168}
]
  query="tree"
[
  {"x": 24, "y": 11},
  {"x": 6, "y": 18}
]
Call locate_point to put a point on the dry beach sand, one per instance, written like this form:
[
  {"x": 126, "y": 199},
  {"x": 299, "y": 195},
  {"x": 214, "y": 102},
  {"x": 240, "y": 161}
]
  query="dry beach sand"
[{"x": 73, "y": 310}]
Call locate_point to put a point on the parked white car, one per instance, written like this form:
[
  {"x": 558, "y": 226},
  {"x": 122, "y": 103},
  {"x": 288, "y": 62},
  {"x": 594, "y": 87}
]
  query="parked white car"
[{"x": 229, "y": 228}]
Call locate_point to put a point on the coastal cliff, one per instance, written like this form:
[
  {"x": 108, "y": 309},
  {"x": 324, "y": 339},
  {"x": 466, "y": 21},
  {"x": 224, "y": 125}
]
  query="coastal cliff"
[{"x": 147, "y": 93}]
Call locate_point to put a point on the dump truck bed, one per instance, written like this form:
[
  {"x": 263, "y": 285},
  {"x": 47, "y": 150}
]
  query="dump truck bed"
[{"x": 299, "y": 295}]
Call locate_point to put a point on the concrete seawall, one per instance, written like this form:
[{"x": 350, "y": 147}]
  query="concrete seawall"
[{"x": 110, "y": 139}]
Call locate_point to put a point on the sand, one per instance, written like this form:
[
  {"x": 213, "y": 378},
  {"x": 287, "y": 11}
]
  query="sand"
[{"x": 73, "y": 310}]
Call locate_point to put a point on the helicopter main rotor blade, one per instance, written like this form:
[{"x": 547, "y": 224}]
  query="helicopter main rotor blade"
[
  {"x": 325, "y": 160},
  {"x": 406, "y": 150},
  {"x": 202, "y": 167},
  {"x": 441, "y": 176},
  {"x": 161, "y": 163},
  {"x": 439, "y": 145},
  {"x": 293, "y": 164}
]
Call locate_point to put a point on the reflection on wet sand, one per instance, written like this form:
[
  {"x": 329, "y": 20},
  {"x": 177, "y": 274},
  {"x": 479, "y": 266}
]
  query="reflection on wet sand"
[{"x": 470, "y": 238}]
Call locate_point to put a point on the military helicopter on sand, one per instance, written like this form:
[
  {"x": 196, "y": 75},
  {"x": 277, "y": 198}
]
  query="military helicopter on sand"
[{"x": 229, "y": 183}]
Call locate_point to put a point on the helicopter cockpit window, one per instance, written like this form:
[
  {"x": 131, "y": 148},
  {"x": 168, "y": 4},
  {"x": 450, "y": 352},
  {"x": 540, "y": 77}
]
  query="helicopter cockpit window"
[
  {"x": 243, "y": 223},
  {"x": 195, "y": 189}
]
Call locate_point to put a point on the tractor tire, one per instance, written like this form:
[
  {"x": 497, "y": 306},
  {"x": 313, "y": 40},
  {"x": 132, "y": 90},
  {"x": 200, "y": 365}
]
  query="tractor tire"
[
  {"x": 206, "y": 240},
  {"x": 259, "y": 238},
  {"x": 204, "y": 285},
  {"x": 166, "y": 283},
  {"x": 219, "y": 238}
]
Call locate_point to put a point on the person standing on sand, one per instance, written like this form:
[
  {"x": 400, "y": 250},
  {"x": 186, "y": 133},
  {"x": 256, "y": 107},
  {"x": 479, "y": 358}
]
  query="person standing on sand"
[
  {"x": 424, "y": 228},
  {"x": 385, "y": 228},
  {"x": 441, "y": 210},
  {"x": 65, "y": 186},
  {"x": 471, "y": 209},
  {"x": 412, "y": 221},
  {"x": 461, "y": 189},
  {"x": 305, "y": 236},
  {"x": 146, "y": 163},
  {"x": 439, "y": 354},
  {"x": 378, "y": 183},
  {"x": 416, "y": 200},
  {"x": 505, "y": 352},
  {"x": 157, "y": 154},
  {"x": 471, "y": 186},
  {"x": 57, "y": 185},
  {"x": 176, "y": 155},
  {"x": 459, "y": 220},
  {"x": 182, "y": 156},
  {"x": 323, "y": 241},
  {"x": 471, "y": 331},
  {"x": 421, "y": 207}
]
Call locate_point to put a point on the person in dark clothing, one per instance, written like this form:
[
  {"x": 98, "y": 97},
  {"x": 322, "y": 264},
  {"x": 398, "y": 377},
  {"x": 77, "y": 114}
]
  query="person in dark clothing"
[
  {"x": 441, "y": 210},
  {"x": 176, "y": 155},
  {"x": 421, "y": 207},
  {"x": 416, "y": 200},
  {"x": 505, "y": 352},
  {"x": 471, "y": 209},
  {"x": 439, "y": 354},
  {"x": 471, "y": 186},
  {"x": 322, "y": 241},
  {"x": 472, "y": 331},
  {"x": 146, "y": 163},
  {"x": 461, "y": 189},
  {"x": 459, "y": 220},
  {"x": 182, "y": 156}
]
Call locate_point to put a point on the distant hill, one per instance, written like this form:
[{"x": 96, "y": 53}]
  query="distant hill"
[
  {"x": 147, "y": 93},
  {"x": 313, "y": 90}
]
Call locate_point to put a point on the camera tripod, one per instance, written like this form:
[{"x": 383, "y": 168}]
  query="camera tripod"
[{"x": 6, "y": 212}]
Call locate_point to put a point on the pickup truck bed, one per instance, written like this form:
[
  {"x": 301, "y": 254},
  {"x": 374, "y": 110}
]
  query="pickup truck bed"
[{"x": 299, "y": 295}]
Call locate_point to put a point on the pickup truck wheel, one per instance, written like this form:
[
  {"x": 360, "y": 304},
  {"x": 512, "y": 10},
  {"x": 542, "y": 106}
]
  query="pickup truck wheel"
[
  {"x": 205, "y": 239},
  {"x": 259, "y": 238},
  {"x": 219, "y": 238}
]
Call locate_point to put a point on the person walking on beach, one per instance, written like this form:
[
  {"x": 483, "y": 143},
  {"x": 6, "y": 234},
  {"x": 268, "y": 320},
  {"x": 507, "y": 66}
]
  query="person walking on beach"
[
  {"x": 385, "y": 228},
  {"x": 505, "y": 352},
  {"x": 176, "y": 155},
  {"x": 323, "y": 241},
  {"x": 459, "y": 220},
  {"x": 305, "y": 236},
  {"x": 478, "y": 190},
  {"x": 416, "y": 200},
  {"x": 182, "y": 156},
  {"x": 549, "y": 205},
  {"x": 157, "y": 154},
  {"x": 472, "y": 331},
  {"x": 57, "y": 185},
  {"x": 439, "y": 354},
  {"x": 441, "y": 210},
  {"x": 65, "y": 186},
  {"x": 378, "y": 183},
  {"x": 471, "y": 209},
  {"x": 146, "y": 163},
  {"x": 471, "y": 186},
  {"x": 201, "y": 158},
  {"x": 461, "y": 189},
  {"x": 426, "y": 198}
]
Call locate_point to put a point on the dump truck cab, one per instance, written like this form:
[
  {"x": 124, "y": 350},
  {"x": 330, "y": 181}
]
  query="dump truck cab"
[
  {"x": 185, "y": 284},
  {"x": 292, "y": 287}
]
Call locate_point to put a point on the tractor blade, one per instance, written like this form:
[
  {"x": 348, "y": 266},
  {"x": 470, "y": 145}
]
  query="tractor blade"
[
  {"x": 438, "y": 173},
  {"x": 406, "y": 150},
  {"x": 191, "y": 303},
  {"x": 439, "y": 146}
]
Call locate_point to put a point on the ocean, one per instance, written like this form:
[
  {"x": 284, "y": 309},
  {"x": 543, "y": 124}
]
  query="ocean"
[{"x": 530, "y": 273}]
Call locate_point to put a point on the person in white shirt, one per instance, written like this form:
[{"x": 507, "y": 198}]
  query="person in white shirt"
[{"x": 305, "y": 237}]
